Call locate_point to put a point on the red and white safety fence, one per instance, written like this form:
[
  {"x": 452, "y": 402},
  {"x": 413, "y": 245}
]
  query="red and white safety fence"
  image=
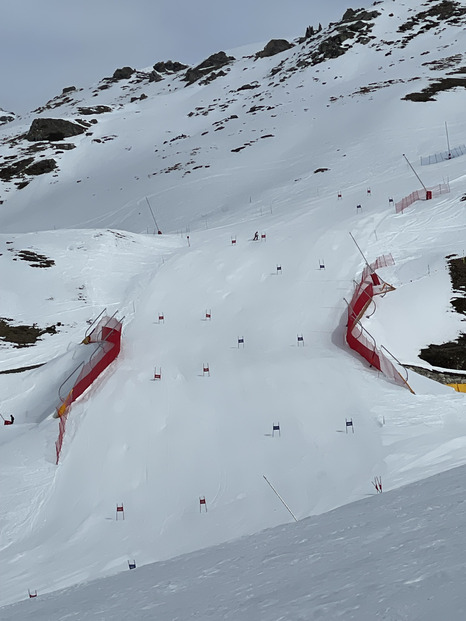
[
  {"x": 357, "y": 337},
  {"x": 422, "y": 195}
]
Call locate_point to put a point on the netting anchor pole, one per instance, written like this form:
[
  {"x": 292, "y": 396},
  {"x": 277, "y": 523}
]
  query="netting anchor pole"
[
  {"x": 419, "y": 178},
  {"x": 281, "y": 499}
]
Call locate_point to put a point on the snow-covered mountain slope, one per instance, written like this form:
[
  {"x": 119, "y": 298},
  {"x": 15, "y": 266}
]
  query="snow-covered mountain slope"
[
  {"x": 238, "y": 141},
  {"x": 285, "y": 135},
  {"x": 395, "y": 556}
]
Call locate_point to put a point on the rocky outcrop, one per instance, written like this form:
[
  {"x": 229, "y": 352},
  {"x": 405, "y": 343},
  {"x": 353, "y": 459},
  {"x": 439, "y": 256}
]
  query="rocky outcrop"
[
  {"x": 6, "y": 117},
  {"x": 331, "y": 47},
  {"x": 169, "y": 66},
  {"x": 213, "y": 63},
  {"x": 351, "y": 15},
  {"x": 122, "y": 74},
  {"x": 275, "y": 46},
  {"x": 53, "y": 129},
  {"x": 154, "y": 76},
  {"x": 40, "y": 167},
  {"x": 94, "y": 110},
  {"x": 7, "y": 173}
]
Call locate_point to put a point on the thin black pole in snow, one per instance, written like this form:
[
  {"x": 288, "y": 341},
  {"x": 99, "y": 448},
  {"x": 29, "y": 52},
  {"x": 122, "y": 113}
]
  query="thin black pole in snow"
[
  {"x": 284, "y": 503},
  {"x": 419, "y": 178},
  {"x": 155, "y": 221}
]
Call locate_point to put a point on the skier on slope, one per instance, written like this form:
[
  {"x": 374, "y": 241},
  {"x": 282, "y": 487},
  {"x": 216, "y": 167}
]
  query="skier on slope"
[
  {"x": 9, "y": 422},
  {"x": 256, "y": 236}
]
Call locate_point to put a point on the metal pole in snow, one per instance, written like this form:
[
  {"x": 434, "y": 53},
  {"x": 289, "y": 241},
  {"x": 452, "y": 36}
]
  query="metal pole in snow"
[
  {"x": 415, "y": 172},
  {"x": 362, "y": 254},
  {"x": 284, "y": 503},
  {"x": 448, "y": 140},
  {"x": 150, "y": 208}
]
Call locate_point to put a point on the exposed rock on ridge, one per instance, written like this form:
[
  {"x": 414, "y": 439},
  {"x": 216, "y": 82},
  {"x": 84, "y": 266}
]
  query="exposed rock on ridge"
[
  {"x": 53, "y": 129},
  {"x": 214, "y": 62},
  {"x": 6, "y": 117},
  {"x": 274, "y": 46}
]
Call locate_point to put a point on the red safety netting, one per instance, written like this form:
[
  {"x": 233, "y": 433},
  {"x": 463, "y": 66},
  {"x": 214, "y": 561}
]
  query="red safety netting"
[
  {"x": 422, "y": 195},
  {"x": 357, "y": 337},
  {"x": 107, "y": 335}
]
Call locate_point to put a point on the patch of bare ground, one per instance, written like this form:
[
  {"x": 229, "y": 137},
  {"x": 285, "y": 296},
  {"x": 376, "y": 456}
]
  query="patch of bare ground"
[
  {"x": 23, "y": 335},
  {"x": 451, "y": 355}
]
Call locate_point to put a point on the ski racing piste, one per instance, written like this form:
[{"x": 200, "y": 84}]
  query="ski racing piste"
[
  {"x": 101, "y": 347},
  {"x": 357, "y": 337}
]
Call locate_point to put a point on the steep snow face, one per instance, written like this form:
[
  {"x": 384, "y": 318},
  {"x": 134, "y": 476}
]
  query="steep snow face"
[{"x": 274, "y": 160}]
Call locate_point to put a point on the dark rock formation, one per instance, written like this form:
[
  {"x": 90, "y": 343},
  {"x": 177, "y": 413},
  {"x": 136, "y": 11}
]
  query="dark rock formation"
[
  {"x": 6, "y": 117},
  {"x": 310, "y": 32},
  {"x": 169, "y": 67},
  {"x": 140, "y": 98},
  {"x": 14, "y": 169},
  {"x": 214, "y": 62},
  {"x": 154, "y": 76},
  {"x": 65, "y": 146},
  {"x": 41, "y": 167},
  {"x": 443, "y": 84},
  {"x": 213, "y": 75},
  {"x": 53, "y": 129},
  {"x": 359, "y": 14},
  {"x": 68, "y": 89},
  {"x": 246, "y": 87},
  {"x": 331, "y": 47},
  {"x": 275, "y": 46},
  {"x": 94, "y": 109},
  {"x": 122, "y": 74}
]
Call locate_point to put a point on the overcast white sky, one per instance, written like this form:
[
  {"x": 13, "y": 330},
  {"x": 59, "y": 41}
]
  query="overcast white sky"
[{"x": 46, "y": 45}]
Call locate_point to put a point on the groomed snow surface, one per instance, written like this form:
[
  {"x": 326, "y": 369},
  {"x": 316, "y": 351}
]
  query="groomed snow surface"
[{"x": 160, "y": 446}]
